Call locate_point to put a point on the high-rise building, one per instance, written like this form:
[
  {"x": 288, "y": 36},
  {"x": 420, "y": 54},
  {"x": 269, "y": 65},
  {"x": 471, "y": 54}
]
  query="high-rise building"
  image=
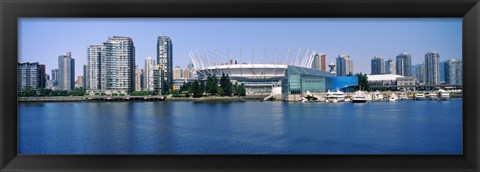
[
  {"x": 404, "y": 64},
  {"x": 186, "y": 73},
  {"x": 96, "y": 68},
  {"x": 120, "y": 63},
  {"x": 432, "y": 68},
  {"x": 332, "y": 68},
  {"x": 164, "y": 59},
  {"x": 390, "y": 67},
  {"x": 344, "y": 65},
  {"x": 148, "y": 74},
  {"x": 31, "y": 74},
  {"x": 177, "y": 72},
  {"x": 377, "y": 65},
  {"x": 66, "y": 72},
  {"x": 191, "y": 70},
  {"x": 139, "y": 79},
  {"x": 111, "y": 66},
  {"x": 54, "y": 78},
  {"x": 420, "y": 73},
  {"x": 158, "y": 75},
  {"x": 453, "y": 71},
  {"x": 319, "y": 61}
]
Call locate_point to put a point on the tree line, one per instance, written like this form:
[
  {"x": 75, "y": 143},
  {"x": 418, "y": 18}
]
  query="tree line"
[
  {"x": 213, "y": 87},
  {"x": 29, "y": 91}
]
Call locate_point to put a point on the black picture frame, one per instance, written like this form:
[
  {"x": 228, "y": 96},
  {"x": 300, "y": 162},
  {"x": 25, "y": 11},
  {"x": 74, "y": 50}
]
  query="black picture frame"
[{"x": 11, "y": 10}]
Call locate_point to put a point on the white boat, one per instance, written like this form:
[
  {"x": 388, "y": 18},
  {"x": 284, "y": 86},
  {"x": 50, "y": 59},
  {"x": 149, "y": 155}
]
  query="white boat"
[
  {"x": 432, "y": 96},
  {"x": 359, "y": 97},
  {"x": 444, "y": 95},
  {"x": 335, "y": 96},
  {"x": 420, "y": 96},
  {"x": 393, "y": 97},
  {"x": 403, "y": 96},
  {"x": 377, "y": 96}
]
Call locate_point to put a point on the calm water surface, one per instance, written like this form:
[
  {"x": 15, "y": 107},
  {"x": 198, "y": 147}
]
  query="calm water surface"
[{"x": 404, "y": 127}]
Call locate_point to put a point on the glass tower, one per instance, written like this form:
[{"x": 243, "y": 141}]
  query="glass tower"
[
  {"x": 404, "y": 64},
  {"x": 432, "y": 68},
  {"x": 164, "y": 60},
  {"x": 453, "y": 72},
  {"x": 66, "y": 72},
  {"x": 377, "y": 65}
]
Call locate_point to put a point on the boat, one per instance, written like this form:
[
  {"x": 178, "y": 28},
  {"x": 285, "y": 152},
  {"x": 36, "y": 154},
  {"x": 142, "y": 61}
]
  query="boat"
[
  {"x": 403, "y": 96},
  {"x": 377, "y": 96},
  {"x": 420, "y": 96},
  {"x": 359, "y": 97},
  {"x": 393, "y": 97},
  {"x": 432, "y": 96},
  {"x": 444, "y": 95},
  {"x": 335, "y": 96}
]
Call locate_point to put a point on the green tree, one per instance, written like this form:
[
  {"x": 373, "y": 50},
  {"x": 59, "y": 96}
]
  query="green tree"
[
  {"x": 195, "y": 89},
  {"x": 211, "y": 85},
  {"x": 226, "y": 85},
  {"x": 28, "y": 91},
  {"x": 363, "y": 81},
  {"x": 241, "y": 90}
]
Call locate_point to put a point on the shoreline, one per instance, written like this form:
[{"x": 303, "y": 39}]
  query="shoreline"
[{"x": 130, "y": 99}]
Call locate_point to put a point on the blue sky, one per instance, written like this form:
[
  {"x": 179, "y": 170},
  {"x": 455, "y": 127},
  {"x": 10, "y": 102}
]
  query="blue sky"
[{"x": 44, "y": 39}]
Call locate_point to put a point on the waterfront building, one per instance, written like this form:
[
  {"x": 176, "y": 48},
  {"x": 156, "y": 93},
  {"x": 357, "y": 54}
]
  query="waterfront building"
[
  {"x": 344, "y": 65},
  {"x": 390, "y": 67},
  {"x": 30, "y": 74},
  {"x": 319, "y": 61},
  {"x": 164, "y": 59},
  {"x": 377, "y": 65},
  {"x": 120, "y": 64},
  {"x": 111, "y": 66},
  {"x": 442, "y": 72},
  {"x": 420, "y": 74},
  {"x": 453, "y": 72},
  {"x": 66, "y": 72},
  {"x": 79, "y": 82},
  {"x": 406, "y": 81},
  {"x": 148, "y": 74},
  {"x": 139, "y": 77},
  {"x": 404, "y": 64},
  {"x": 177, "y": 72},
  {"x": 96, "y": 72},
  {"x": 191, "y": 69},
  {"x": 432, "y": 68},
  {"x": 54, "y": 78},
  {"x": 158, "y": 75}
]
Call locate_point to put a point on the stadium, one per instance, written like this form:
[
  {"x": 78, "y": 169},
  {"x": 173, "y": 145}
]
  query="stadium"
[{"x": 287, "y": 75}]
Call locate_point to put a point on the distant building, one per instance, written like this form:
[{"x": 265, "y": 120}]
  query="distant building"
[
  {"x": 31, "y": 74},
  {"x": 453, "y": 72},
  {"x": 177, "y": 72},
  {"x": 332, "y": 69},
  {"x": 85, "y": 77},
  {"x": 165, "y": 60},
  {"x": 148, "y": 74},
  {"x": 319, "y": 61},
  {"x": 432, "y": 68},
  {"x": 377, "y": 65},
  {"x": 383, "y": 80},
  {"x": 96, "y": 72},
  {"x": 66, "y": 72},
  {"x": 390, "y": 67},
  {"x": 344, "y": 65},
  {"x": 404, "y": 64},
  {"x": 406, "y": 81},
  {"x": 139, "y": 79},
  {"x": 420, "y": 74},
  {"x": 186, "y": 73},
  {"x": 158, "y": 75},
  {"x": 53, "y": 83}
]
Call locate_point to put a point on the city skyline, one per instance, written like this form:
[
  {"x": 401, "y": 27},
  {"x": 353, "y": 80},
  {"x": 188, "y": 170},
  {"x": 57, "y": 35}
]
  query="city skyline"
[{"x": 330, "y": 36}]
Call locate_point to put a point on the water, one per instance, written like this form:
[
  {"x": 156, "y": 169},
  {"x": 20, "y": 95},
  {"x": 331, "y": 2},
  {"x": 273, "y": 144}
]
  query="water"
[{"x": 404, "y": 127}]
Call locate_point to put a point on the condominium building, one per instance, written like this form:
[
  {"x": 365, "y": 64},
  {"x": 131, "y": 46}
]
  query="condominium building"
[
  {"x": 344, "y": 65},
  {"x": 432, "y": 68},
  {"x": 111, "y": 66},
  {"x": 177, "y": 72},
  {"x": 390, "y": 67},
  {"x": 148, "y": 74},
  {"x": 453, "y": 72},
  {"x": 164, "y": 59},
  {"x": 139, "y": 79},
  {"x": 319, "y": 61},
  {"x": 30, "y": 74},
  {"x": 66, "y": 72},
  {"x": 377, "y": 65},
  {"x": 404, "y": 64},
  {"x": 420, "y": 74}
]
